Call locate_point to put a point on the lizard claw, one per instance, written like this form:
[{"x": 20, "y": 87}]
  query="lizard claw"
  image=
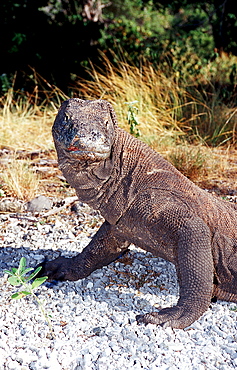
[
  {"x": 56, "y": 269},
  {"x": 174, "y": 317}
]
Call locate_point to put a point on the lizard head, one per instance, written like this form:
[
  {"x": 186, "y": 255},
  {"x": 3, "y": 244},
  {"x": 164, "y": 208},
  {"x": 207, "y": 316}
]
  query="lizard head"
[{"x": 84, "y": 129}]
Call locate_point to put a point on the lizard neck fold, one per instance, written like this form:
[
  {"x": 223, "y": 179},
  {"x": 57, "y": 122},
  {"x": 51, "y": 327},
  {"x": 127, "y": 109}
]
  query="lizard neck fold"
[
  {"x": 104, "y": 185},
  {"x": 111, "y": 186}
]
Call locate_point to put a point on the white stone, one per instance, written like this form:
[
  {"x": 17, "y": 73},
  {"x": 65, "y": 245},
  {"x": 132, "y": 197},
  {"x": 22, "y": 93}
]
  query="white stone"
[
  {"x": 90, "y": 285},
  {"x": 13, "y": 365}
]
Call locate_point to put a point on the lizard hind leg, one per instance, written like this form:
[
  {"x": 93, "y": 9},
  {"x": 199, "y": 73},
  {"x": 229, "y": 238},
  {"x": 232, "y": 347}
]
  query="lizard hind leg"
[{"x": 195, "y": 272}]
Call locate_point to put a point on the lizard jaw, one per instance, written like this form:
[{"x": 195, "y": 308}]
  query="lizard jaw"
[{"x": 87, "y": 154}]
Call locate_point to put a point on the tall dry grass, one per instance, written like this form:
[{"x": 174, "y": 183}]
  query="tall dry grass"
[
  {"x": 25, "y": 126},
  {"x": 19, "y": 179},
  {"x": 26, "y": 118},
  {"x": 169, "y": 107},
  {"x": 172, "y": 114},
  {"x": 159, "y": 100},
  {"x": 180, "y": 115}
]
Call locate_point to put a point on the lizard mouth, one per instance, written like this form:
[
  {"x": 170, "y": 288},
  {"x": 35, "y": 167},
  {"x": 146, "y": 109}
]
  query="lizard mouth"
[{"x": 88, "y": 154}]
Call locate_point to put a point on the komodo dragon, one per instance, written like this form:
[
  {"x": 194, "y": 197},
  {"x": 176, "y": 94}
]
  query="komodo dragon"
[{"x": 148, "y": 202}]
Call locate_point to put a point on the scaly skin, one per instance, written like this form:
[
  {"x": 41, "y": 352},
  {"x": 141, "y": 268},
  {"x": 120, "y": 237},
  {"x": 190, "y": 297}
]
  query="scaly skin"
[{"x": 147, "y": 202}]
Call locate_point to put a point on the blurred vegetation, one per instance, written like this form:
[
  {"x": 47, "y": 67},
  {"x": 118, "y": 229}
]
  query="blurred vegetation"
[
  {"x": 176, "y": 58},
  {"x": 58, "y": 38}
]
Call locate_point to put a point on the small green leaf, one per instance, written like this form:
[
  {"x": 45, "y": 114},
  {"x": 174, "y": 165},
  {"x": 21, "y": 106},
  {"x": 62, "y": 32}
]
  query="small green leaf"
[
  {"x": 25, "y": 292},
  {"x": 37, "y": 282},
  {"x": 14, "y": 280},
  {"x": 26, "y": 271},
  {"x": 22, "y": 265},
  {"x": 15, "y": 296},
  {"x": 31, "y": 276},
  {"x": 20, "y": 295},
  {"x": 12, "y": 272},
  {"x": 8, "y": 272}
]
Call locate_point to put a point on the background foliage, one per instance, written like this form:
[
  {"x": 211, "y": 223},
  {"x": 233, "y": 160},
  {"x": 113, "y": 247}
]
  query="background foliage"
[{"x": 57, "y": 38}]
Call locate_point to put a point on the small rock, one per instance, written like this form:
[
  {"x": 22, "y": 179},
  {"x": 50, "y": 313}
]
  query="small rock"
[
  {"x": 90, "y": 285},
  {"x": 39, "y": 204},
  {"x": 13, "y": 365},
  {"x": 96, "y": 330},
  {"x": 11, "y": 205}
]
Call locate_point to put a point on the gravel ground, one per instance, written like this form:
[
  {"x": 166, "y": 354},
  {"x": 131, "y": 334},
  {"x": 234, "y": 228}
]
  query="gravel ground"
[{"x": 94, "y": 319}]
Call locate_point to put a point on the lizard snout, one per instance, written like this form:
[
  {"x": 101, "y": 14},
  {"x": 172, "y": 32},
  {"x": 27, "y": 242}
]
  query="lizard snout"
[{"x": 95, "y": 146}]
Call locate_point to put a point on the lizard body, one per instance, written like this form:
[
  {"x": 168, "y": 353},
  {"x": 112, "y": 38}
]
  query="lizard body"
[{"x": 146, "y": 201}]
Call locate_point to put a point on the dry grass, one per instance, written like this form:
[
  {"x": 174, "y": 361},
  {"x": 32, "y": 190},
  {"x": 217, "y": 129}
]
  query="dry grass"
[
  {"x": 190, "y": 160},
  {"x": 26, "y": 119},
  {"x": 220, "y": 172},
  {"x": 210, "y": 168},
  {"x": 169, "y": 108},
  {"x": 25, "y": 126},
  {"x": 19, "y": 180},
  {"x": 159, "y": 100},
  {"x": 214, "y": 85},
  {"x": 168, "y": 117}
]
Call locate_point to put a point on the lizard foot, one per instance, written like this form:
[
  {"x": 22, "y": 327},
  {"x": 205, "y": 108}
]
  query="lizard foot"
[
  {"x": 58, "y": 269},
  {"x": 174, "y": 317}
]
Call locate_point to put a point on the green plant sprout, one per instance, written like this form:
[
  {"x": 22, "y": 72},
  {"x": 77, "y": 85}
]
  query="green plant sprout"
[
  {"x": 18, "y": 276},
  {"x": 132, "y": 119}
]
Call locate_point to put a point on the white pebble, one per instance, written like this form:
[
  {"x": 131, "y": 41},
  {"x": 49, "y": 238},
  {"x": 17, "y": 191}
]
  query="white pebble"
[
  {"x": 90, "y": 285},
  {"x": 13, "y": 365}
]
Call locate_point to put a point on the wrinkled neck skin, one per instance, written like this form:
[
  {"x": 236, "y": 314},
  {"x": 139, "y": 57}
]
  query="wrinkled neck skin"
[
  {"x": 93, "y": 181},
  {"x": 87, "y": 178},
  {"x": 111, "y": 185}
]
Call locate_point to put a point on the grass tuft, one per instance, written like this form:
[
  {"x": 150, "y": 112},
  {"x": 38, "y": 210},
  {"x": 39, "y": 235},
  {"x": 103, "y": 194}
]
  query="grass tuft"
[
  {"x": 189, "y": 160},
  {"x": 19, "y": 180},
  {"x": 160, "y": 100},
  {"x": 169, "y": 106},
  {"x": 25, "y": 125},
  {"x": 26, "y": 119}
]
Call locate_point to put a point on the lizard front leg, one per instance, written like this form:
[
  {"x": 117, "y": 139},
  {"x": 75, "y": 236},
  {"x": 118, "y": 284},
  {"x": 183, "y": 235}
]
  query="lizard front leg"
[
  {"x": 103, "y": 249},
  {"x": 195, "y": 275}
]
